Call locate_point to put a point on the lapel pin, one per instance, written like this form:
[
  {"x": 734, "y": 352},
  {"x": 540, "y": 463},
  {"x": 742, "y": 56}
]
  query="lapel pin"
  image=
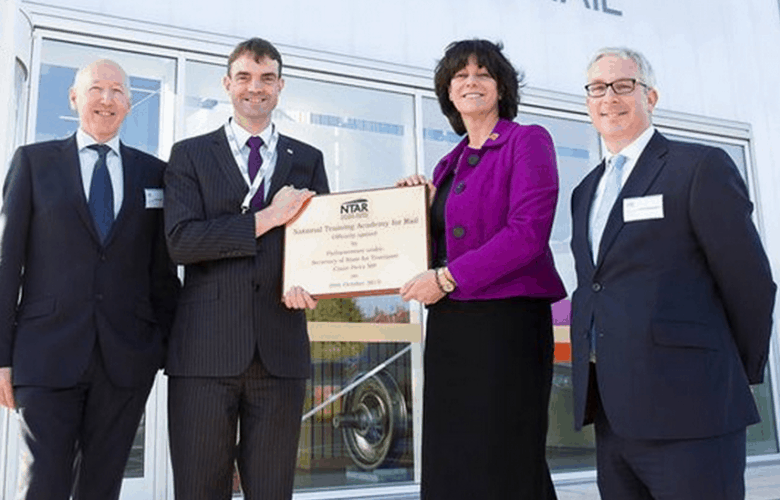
[
  {"x": 493, "y": 136},
  {"x": 289, "y": 151}
]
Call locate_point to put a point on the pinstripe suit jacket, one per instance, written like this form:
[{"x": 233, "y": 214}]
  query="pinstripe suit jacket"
[{"x": 231, "y": 305}]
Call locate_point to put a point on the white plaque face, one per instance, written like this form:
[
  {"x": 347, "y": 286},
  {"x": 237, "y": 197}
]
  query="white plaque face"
[{"x": 358, "y": 243}]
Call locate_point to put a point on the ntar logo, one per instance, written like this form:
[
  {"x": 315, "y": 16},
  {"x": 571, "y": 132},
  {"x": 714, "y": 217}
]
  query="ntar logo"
[{"x": 354, "y": 209}]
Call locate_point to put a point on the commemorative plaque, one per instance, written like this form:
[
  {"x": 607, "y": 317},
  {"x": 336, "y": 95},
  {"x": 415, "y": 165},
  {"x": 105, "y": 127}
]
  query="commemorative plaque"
[{"x": 358, "y": 243}]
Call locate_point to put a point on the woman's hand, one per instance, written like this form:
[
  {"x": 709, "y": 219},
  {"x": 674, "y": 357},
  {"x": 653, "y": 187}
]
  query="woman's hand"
[
  {"x": 416, "y": 180},
  {"x": 423, "y": 288}
]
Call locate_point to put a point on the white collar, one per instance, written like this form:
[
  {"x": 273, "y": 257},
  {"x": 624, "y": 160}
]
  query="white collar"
[
  {"x": 84, "y": 140},
  {"x": 633, "y": 150},
  {"x": 269, "y": 135}
]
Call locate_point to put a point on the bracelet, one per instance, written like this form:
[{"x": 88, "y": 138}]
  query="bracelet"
[
  {"x": 438, "y": 283},
  {"x": 446, "y": 278}
]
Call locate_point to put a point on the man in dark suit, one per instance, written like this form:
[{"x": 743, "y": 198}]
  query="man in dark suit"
[
  {"x": 239, "y": 353},
  {"x": 82, "y": 238},
  {"x": 673, "y": 309}
]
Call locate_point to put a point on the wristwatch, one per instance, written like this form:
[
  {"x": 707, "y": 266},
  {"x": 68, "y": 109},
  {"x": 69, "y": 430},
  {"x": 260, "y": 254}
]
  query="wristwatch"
[{"x": 445, "y": 284}]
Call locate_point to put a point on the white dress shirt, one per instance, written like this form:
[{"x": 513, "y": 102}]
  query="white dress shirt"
[
  {"x": 632, "y": 152},
  {"x": 237, "y": 137}
]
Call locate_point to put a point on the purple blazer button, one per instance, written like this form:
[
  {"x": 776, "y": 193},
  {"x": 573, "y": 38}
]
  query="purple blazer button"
[
  {"x": 460, "y": 187},
  {"x": 458, "y": 231},
  {"x": 473, "y": 160}
]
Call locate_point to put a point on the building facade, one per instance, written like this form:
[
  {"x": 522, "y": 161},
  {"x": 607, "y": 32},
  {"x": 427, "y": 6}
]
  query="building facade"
[{"x": 359, "y": 87}]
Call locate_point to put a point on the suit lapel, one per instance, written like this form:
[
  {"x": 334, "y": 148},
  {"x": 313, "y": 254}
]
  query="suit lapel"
[
  {"x": 131, "y": 181},
  {"x": 647, "y": 168},
  {"x": 75, "y": 183},
  {"x": 582, "y": 216},
  {"x": 284, "y": 156},
  {"x": 226, "y": 162}
]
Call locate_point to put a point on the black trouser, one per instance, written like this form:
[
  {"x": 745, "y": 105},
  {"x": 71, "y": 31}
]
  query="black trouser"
[
  {"x": 95, "y": 421},
  {"x": 203, "y": 417}
]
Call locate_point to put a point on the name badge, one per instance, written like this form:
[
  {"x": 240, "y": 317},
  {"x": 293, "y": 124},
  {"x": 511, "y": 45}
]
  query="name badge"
[
  {"x": 643, "y": 208},
  {"x": 154, "y": 197}
]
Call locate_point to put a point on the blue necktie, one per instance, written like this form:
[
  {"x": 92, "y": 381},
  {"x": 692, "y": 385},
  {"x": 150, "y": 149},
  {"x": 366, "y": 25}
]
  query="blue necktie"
[
  {"x": 101, "y": 193},
  {"x": 255, "y": 162},
  {"x": 612, "y": 186}
]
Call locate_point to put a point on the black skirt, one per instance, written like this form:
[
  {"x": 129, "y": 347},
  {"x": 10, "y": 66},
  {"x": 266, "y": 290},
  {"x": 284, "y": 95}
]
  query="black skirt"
[{"x": 488, "y": 373}]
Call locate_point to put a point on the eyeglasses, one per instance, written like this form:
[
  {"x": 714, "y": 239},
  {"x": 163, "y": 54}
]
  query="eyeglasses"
[{"x": 620, "y": 87}]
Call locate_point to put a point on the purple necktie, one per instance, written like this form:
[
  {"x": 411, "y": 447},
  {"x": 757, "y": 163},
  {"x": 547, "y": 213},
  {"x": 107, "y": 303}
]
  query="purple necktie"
[{"x": 255, "y": 162}]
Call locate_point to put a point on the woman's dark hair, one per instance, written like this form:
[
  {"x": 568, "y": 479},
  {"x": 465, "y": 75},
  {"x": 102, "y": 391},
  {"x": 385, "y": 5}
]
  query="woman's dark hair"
[{"x": 489, "y": 56}]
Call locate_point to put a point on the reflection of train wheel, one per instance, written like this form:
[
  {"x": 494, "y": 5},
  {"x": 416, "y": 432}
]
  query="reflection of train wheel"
[{"x": 374, "y": 421}]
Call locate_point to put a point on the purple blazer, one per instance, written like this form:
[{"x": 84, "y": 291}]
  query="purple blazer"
[{"x": 499, "y": 215}]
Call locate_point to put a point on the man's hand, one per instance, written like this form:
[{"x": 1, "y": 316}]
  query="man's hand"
[
  {"x": 6, "y": 388},
  {"x": 298, "y": 298},
  {"x": 286, "y": 204}
]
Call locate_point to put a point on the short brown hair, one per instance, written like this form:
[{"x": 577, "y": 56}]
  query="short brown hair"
[{"x": 259, "y": 49}]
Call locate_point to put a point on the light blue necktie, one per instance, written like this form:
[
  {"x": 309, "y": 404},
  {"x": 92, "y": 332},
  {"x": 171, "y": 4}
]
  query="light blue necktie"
[{"x": 612, "y": 186}]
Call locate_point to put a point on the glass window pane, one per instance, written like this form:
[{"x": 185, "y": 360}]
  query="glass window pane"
[
  {"x": 357, "y": 427},
  {"x": 577, "y": 152},
  {"x": 438, "y": 136},
  {"x": 20, "y": 100},
  {"x": 735, "y": 151},
  {"x": 148, "y": 78}
]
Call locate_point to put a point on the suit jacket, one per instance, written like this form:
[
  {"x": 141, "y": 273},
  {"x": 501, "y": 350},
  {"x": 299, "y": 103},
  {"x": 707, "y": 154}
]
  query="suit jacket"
[
  {"x": 499, "y": 215},
  {"x": 74, "y": 289},
  {"x": 231, "y": 304},
  {"x": 682, "y": 305}
]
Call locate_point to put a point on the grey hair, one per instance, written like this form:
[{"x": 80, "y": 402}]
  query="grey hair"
[
  {"x": 82, "y": 73},
  {"x": 646, "y": 74}
]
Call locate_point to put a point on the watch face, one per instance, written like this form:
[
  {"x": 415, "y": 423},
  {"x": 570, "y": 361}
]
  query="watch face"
[{"x": 448, "y": 287}]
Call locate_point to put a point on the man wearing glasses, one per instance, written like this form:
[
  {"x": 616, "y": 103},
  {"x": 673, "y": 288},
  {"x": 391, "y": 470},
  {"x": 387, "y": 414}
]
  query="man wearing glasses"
[{"x": 672, "y": 313}]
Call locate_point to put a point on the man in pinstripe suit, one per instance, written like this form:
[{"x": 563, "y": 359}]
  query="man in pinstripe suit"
[{"x": 239, "y": 351}]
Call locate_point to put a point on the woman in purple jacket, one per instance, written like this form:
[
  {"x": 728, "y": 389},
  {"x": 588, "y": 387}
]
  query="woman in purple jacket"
[{"x": 489, "y": 345}]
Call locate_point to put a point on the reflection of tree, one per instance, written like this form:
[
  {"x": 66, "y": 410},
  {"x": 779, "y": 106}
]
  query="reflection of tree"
[
  {"x": 336, "y": 310},
  {"x": 336, "y": 351},
  {"x": 398, "y": 315}
]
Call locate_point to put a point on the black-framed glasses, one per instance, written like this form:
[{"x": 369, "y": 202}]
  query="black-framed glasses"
[{"x": 620, "y": 87}]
